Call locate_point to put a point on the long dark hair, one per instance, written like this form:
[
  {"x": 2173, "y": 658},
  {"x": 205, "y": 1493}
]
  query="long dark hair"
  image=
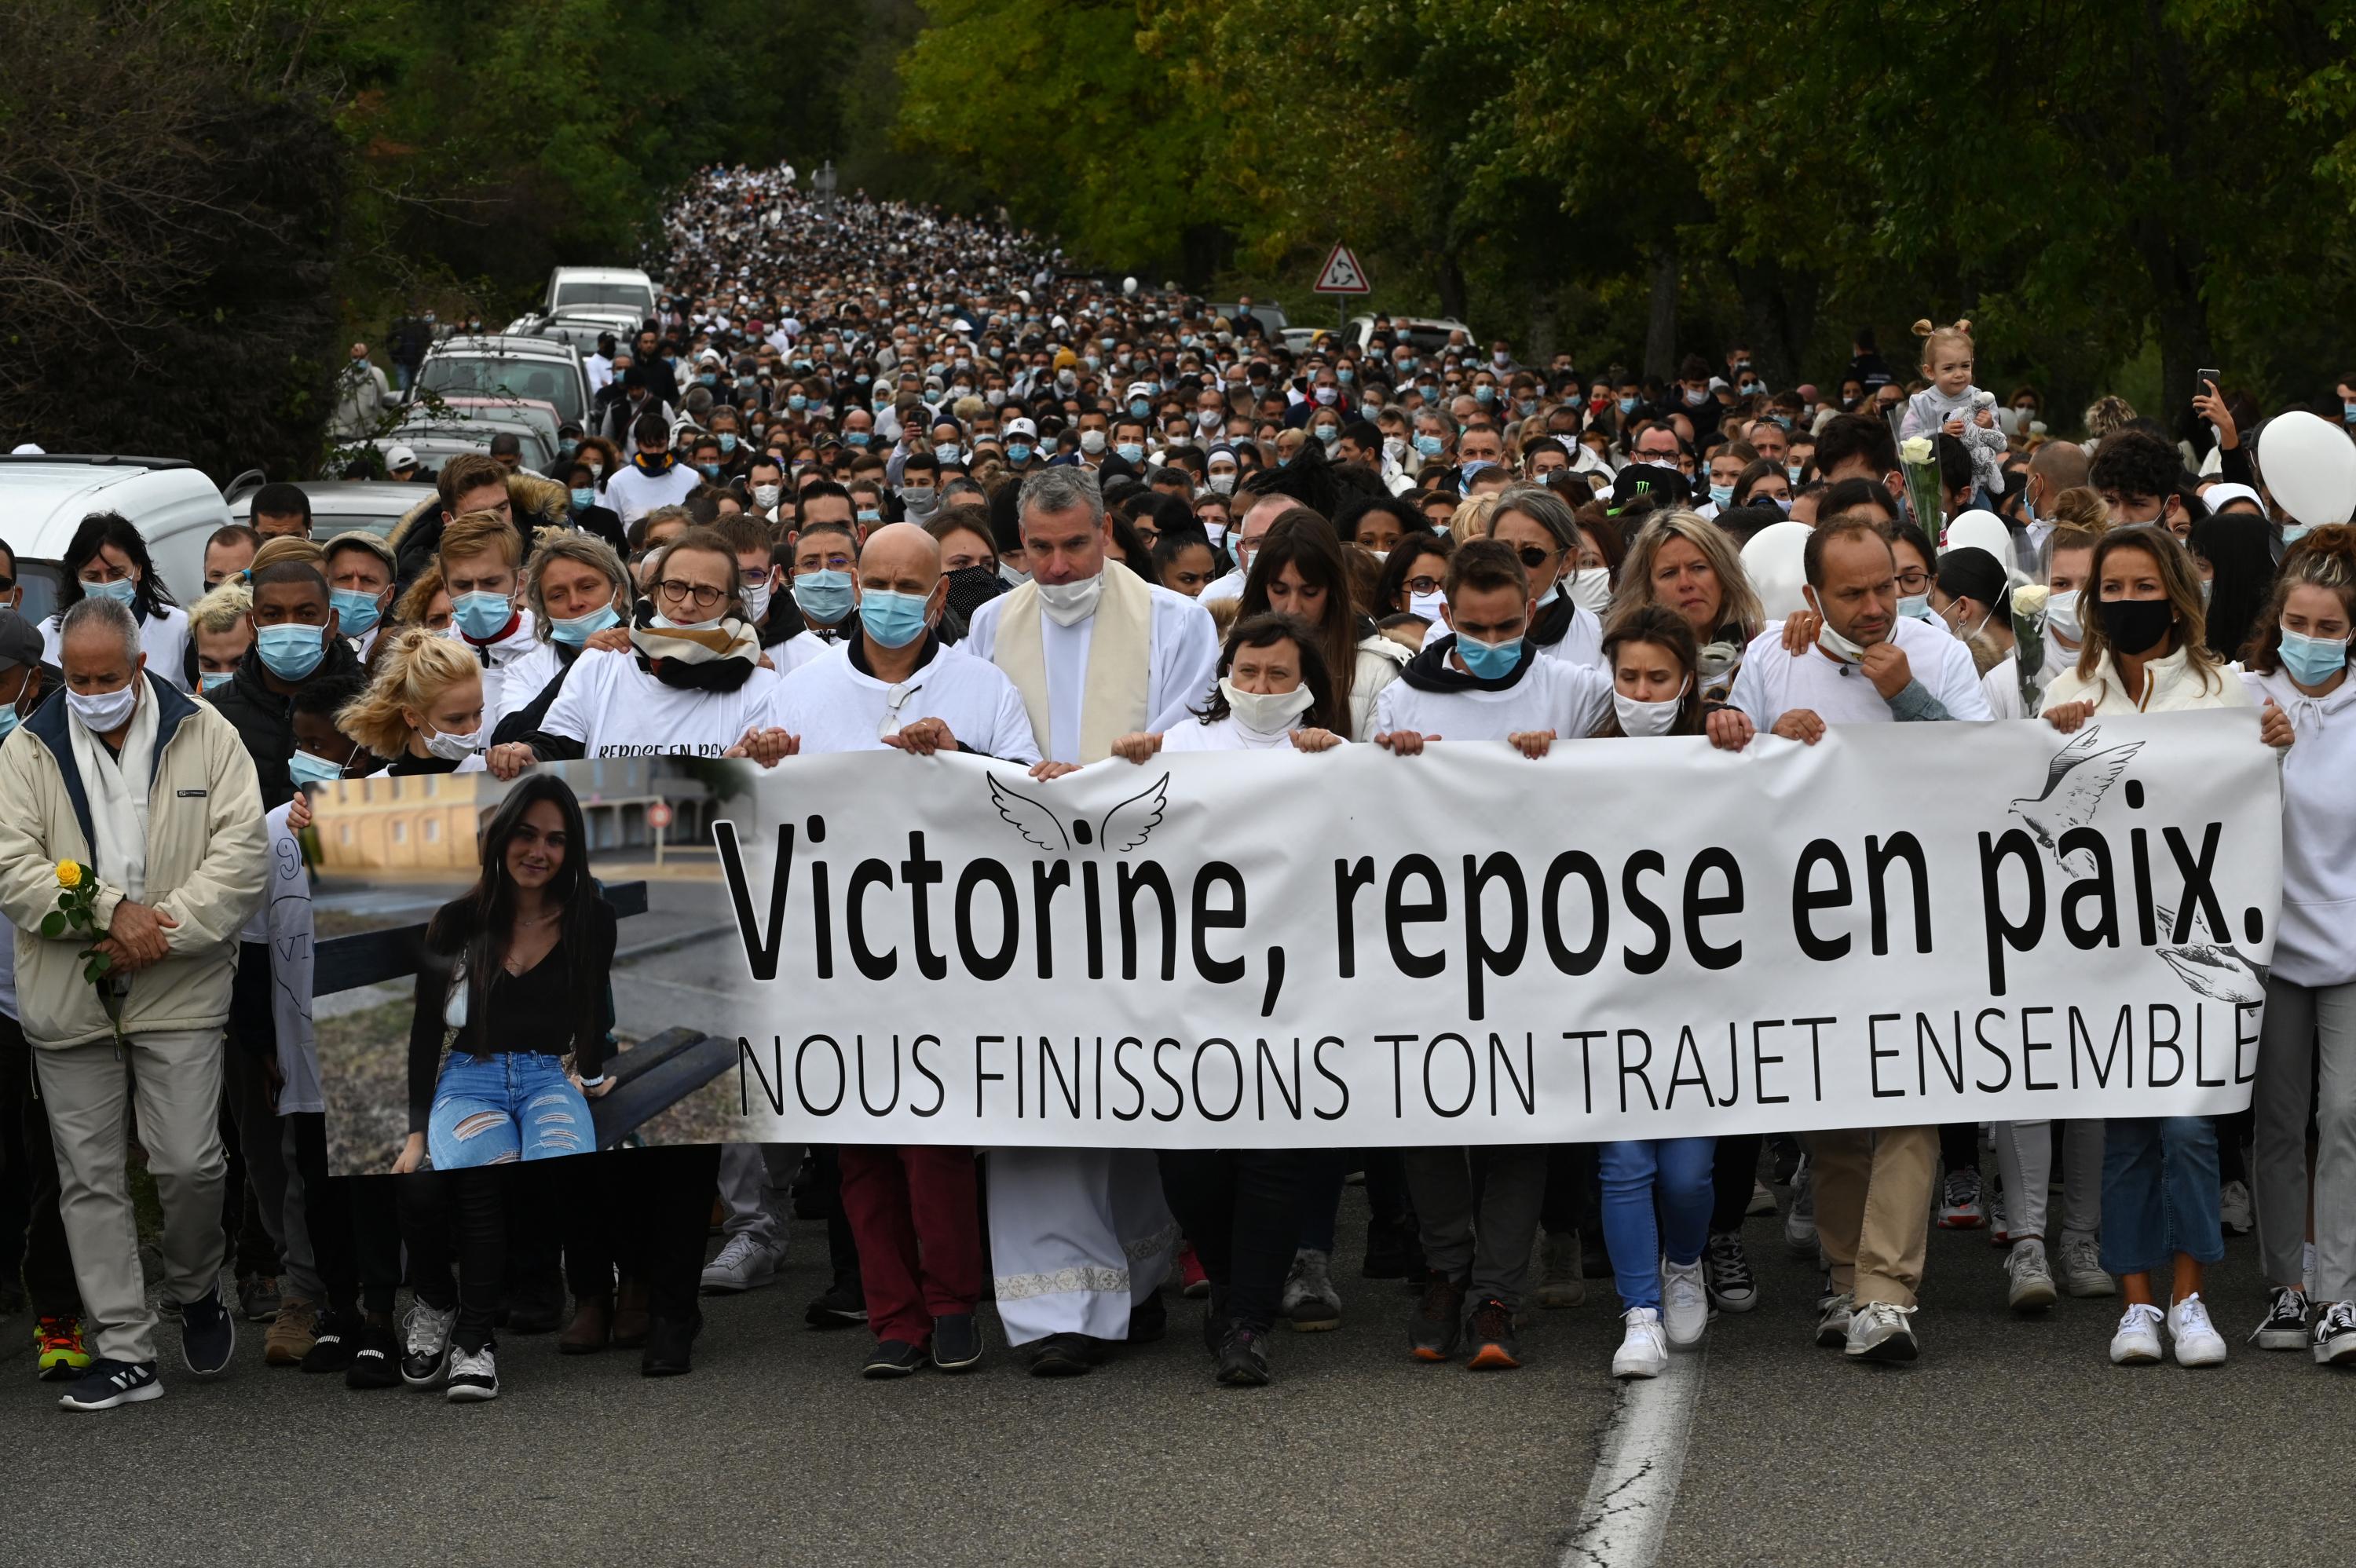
[
  {"x": 1266, "y": 630},
  {"x": 475, "y": 925},
  {"x": 1305, "y": 541},
  {"x": 2242, "y": 573},
  {"x": 97, "y": 531}
]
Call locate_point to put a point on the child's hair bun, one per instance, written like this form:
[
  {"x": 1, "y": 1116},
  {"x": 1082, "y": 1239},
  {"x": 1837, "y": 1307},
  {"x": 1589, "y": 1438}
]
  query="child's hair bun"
[
  {"x": 1964, "y": 324},
  {"x": 1922, "y": 328}
]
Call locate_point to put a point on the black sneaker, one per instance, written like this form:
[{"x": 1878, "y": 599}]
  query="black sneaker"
[
  {"x": 1064, "y": 1356},
  {"x": 957, "y": 1342},
  {"x": 2335, "y": 1335},
  {"x": 1148, "y": 1320},
  {"x": 332, "y": 1350},
  {"x": 474, "y": 1375},
  {"x": 208, "y": 1334},
  {"x": 2285, "y": 1327},
  {"x": 375, "y": 1358},
  {"x": 1243, "y": 1357},
  {"x": 1438, "y": 1325},
  {"x": 843, "y": 1305},
  {"x": 425, "y": 1343},
  {"x": 104, "y": 1384},
  {"x": 891, "y": 1359},
  {"x": 1490, "y": 1334}
]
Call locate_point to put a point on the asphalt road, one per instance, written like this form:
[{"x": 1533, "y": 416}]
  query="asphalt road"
[{"x": 2010, "y": 1441}]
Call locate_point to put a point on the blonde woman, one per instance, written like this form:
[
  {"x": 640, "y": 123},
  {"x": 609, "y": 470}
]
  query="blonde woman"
[
  {"x": 424, "y": 708},
  {"x": 1689, "y": 565},
  {"x": 427, "y": 602},
  {"x": 1471, "y": 519}
]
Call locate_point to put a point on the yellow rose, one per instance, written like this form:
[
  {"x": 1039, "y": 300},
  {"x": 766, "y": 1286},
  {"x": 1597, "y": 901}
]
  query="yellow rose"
[{"x": 68, "y": 874}]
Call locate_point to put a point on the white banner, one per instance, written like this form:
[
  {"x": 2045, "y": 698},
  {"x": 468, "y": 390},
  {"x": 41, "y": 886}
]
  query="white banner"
[{"x": 1902, "y": 924}]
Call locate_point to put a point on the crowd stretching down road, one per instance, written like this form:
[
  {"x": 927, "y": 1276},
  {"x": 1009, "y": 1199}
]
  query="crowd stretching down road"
[{"x": 873, "y": 477}]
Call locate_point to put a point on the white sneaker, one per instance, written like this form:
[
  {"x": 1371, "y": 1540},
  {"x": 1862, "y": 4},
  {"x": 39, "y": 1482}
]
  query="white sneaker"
[
  {"x": 2198, "y": 1343},
  {"x": 1684, "y": 1302},
  {"x": 2030, "y": 1287},
  {"x": 1799, "y": 1220},
  {"x": 1832, "y": 1315},
  {"x": 1999, "y": 1226},
  {"x": 743, "y": 1265},
  {"x": 1643, "y": 1352},
  {"x": 1762, "y": 1201},
  {"x": 474, "y": 1377},
  {"x": 2136, "y": 1343},
  {"x": 1878, "y": 1331},
  {"x": 2233, "y": 1210},
  {"x": 1959, "y": 1203},
  {"x": 425, "y": 1344},
  {"x": 1310, "y": 1301},
  {"x": 2082, "y": 1273}
]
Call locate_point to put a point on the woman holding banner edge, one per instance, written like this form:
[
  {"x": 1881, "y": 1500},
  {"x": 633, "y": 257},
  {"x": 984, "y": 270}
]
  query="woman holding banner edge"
[{"x": 2144, "y": 653}]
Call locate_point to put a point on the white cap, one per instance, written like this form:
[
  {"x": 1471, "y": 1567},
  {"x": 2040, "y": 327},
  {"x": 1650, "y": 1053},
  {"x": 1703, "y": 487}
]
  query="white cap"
[
  {"x": 2219, "y": 495},
  {"x": 1146, "y": 387},
  {"x": 1018, "y": 427},
  {"x": 400, "y": 457}
]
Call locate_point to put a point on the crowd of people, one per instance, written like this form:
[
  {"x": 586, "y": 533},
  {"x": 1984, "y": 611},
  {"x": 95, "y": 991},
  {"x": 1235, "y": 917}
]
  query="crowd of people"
[{"x": 876, "y": 478}]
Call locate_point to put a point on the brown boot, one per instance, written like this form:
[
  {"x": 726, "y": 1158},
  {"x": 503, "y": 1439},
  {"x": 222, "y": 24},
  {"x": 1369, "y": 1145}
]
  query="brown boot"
[
  {"x": 291, "y": 1333},
  {"x": 591, "y": 1327},
  {"x": 633, "y": 1314}
]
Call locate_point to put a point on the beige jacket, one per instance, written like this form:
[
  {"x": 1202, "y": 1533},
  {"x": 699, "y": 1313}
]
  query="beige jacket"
[{"x": 206, "y": 861}]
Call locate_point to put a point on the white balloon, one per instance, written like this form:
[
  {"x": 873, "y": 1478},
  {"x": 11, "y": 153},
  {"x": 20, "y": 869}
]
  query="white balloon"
[
  {"x": 1983, "y": 530},
  {"x": 2309, "y": 468},
  {"x": 1774, "y": 561},
  {"x": 1128, "y": 285}
]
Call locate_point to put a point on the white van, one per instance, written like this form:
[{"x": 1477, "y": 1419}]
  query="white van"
[
  {"x": 619, "y": 288},
  {"x": 43, "y": 498}
]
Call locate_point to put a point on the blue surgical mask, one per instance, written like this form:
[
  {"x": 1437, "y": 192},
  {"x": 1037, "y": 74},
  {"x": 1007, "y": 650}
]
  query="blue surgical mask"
[
  {"x": 481, "y": 616},
  {"x": 1018, "y": 452},
  {"x": 709, "y": 378},
  {"x": 824, "y": 595},
  {"x": 356, "y": 610},
  {"x": 1138, "y": 408},
  {"x": 1722, "y": 493},
  {"x": 2311, "y": 661},
  {"x": 1792, "y": 472},
  {"x": 894, "y": 620},
  {"x": 727, "y": 442},
  {"x": 2294, "y": 532},
  {"x": 1490, "y": 661},
  {"x": 2348, "y": 412},
  {"x": 290, "y": 651},
  {"x": 709, "y": 470},
  {"x": 1627, "y": 405},
  {"x": 1131, "y": 452},
  {"x": 798, "y": 402},
  {"x": 122, "y": 591},
  {"x": 214, "y": 679},
  {"x": 1915, "y": 604},
  {"x": 307, "y": 769},
  {"x": 7, "y": 718},
  {"x": 858, "y": 437},
  {"x": 1428, "y": 445},
  {"x": 1484, "y": 394},
  {"x": 581, "y": 628},
  {"x": 583, "y": 498},
  {"x": 1471, "y": 466}
]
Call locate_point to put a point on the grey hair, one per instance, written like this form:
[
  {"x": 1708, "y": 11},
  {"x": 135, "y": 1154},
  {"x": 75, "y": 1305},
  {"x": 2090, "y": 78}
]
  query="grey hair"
[
  {"x": 586, "y": 549},
  {"x": 1059, "y": 489},
  {"x": 103, "y": 614},
  {"x": 1437, "y": 412},
  {"x": 1542, "y": 507}
]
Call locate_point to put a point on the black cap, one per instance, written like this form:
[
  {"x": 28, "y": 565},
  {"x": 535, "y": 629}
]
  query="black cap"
[
  {"x": 20, "y": 641},
  {"x": 1666, "y": 485}
]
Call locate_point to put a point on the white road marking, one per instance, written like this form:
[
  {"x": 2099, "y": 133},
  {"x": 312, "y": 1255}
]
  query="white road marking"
[{"x": 1626, "y": 1513}]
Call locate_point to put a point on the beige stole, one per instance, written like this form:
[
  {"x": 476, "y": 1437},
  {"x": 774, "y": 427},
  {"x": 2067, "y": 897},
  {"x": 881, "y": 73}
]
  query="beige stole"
[{"x": 1121, "y": 662}]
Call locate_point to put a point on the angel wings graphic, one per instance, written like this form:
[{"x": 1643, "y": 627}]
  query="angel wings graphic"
[
  {"x": 2077, "y": 778},
  {"x": 1123, "y": 829}
]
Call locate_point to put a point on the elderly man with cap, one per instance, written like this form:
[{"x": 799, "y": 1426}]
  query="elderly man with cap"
[{"x": 123, "y": 784}]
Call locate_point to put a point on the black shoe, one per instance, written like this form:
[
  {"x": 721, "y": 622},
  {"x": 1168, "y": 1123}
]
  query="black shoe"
[
  {"x": 843, "y": 1305},
  {"x": 375, "y": 1359},
  {"x": 1064, "y": 1356},
  {"x": 207, "y": 1333},
  {"x": 1438, "y": 1325},
  {"x": 1393, "y": 1252},
  {"x": 332, "y": 1350},
  {"x": 1494, "y": 1349},
  {"x": 1594, "y": 1263},
  {"x": 1243, "y": 1357},
  {"x": 1215, "y": 1321},
  {"x": 668, "y": 1342},
  {"x": 104, "y": 1384},
  {"x": 532, "y": 1315},
  {"x": 1148, "y": 1320},
  {"x": 892, "y": 1359},
  {"x": 957, "y": 1342}
]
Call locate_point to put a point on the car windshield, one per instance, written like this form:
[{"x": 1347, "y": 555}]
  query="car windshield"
[
  {"x": 632, "y": 297},
  {"x": 470, "y": 375}
]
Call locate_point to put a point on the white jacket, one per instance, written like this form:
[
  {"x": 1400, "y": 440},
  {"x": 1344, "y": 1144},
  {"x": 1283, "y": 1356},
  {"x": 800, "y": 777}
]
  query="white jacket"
[
  {"x": 2315, "y": 940},
  {"x": 1380, "y": 660},
  {"x": 2171, "y": 686}
]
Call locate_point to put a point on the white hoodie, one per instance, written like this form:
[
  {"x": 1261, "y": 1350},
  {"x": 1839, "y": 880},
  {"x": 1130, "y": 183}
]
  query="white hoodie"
[{"x": 2315, "y": 941}]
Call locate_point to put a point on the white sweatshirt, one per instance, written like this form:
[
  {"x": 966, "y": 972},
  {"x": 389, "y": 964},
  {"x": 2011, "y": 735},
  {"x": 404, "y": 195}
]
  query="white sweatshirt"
[{"x": 2315, "y": 941}]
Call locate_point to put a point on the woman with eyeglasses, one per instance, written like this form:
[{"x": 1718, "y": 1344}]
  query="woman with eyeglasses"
[
  {"x": 1413, "y": 573},
  {"x": 690, "y": 685}
]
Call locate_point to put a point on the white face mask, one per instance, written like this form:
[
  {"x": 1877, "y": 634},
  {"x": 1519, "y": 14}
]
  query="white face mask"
[
  {"x": 1428, "y": 606},
  {"x": 105, "y": 712},
  {"x": 1266, "y": 713},
  {"x": 1590, "y": 589},
  {"x": 452, "y": 747},
  {"x": 1642, "y": 720},
  {"x": 766, "y": 496},
  {"x": 1214, "y": 532},
  {"x": 1092, "y": 442},
  {"x": 1839, "y": 646},
  {"x": 756, "y": 600},
  {"x": 1068, "y": 604},
  {"x": 1224, "y": 482},
  {"x": 2062, "y": 613}
]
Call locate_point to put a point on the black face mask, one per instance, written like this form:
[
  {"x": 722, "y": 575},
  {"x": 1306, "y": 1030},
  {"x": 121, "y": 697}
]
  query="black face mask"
[{"x": 2135, "y": 626}]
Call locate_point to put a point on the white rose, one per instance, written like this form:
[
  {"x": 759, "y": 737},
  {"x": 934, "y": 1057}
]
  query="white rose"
[{"x": 1916, "y": 450}]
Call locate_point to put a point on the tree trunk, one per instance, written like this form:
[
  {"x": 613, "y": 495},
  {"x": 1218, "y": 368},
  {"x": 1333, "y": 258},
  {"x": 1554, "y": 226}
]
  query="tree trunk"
[
  {"x": 1779, "y": 312},
  {"x": 1452, "y": 287},
  {"x": 1661, "y": 327},
  {"x": 1545, "y": 315}
]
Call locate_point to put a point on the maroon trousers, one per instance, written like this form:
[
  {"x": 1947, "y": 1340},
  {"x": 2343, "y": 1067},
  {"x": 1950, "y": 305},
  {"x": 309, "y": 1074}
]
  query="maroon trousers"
[{"x": 914, "y": 1211}]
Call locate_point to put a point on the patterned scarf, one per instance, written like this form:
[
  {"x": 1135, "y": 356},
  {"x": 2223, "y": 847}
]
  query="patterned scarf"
[{"x": 718, "y": 656}]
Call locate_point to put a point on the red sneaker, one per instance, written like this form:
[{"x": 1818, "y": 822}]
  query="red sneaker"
[{"x": 1193, "y": 1282}]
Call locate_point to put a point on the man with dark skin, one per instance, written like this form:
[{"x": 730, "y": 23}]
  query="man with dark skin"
[{"x": 297, "y": 642}]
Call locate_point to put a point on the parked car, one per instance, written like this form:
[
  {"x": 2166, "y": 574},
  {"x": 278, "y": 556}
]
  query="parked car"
[
  {"x": 619, "y": 288},
  {"x": 43, "y": 497},
  {"x": 1427, "y": 334},
  {"x": 436, "y": 443},
  {"x": 337, "y": 506},
  {"x": 506, "y": 366},
  {"x": 540, "y": 416},
  {"x": 578, "y": 325}
]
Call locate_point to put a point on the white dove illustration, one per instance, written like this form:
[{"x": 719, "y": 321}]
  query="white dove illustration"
[
  {"x": 2217, "y": 970},
  {"x": 1123, "y": 829},
  {"x": 2077, "y": 778}
]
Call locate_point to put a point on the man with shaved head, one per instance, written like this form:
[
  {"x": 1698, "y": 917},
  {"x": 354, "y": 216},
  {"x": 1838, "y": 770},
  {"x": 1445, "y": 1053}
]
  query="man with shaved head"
[
  {"x": 893, "y": 686},
  {"x": 2056, "y": 466}
]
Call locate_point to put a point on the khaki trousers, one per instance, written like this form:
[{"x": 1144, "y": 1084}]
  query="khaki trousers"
[{"x": 1873, "y": 1208}]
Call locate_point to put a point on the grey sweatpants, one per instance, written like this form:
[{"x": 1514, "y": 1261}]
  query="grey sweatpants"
[
  {"x": 2024, "y": 1155},
  {"x": 2308, "y": 1036},
  {"x": 87, "y": 1091},
  {"x": 1489, "y": 1238},
  {"x": 753, "y": 1182}
]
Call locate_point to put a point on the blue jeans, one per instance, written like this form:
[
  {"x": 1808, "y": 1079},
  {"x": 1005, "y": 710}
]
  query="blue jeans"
[
  {"x": 503, "y": 1108},
  {"x": 2160, "y": 1192},
  {"x": 1629, "y": 1172}
]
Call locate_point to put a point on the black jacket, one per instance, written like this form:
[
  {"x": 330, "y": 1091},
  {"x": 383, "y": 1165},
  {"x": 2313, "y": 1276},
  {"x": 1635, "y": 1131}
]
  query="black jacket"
[{"x": 265, "y": 721}]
